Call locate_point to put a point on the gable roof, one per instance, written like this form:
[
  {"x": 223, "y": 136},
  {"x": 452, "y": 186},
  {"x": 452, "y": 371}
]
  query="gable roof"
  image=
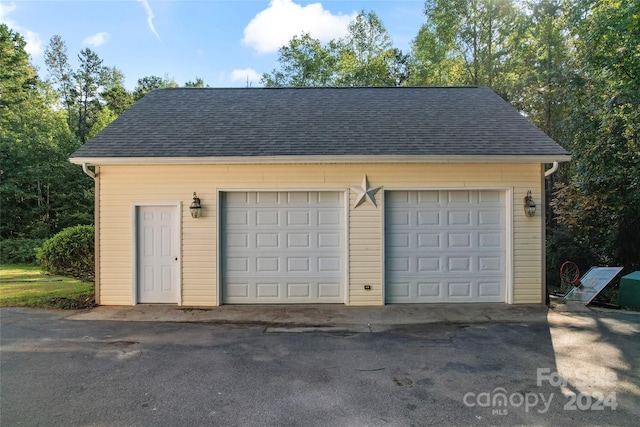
[{"x": 376, "y": 123}]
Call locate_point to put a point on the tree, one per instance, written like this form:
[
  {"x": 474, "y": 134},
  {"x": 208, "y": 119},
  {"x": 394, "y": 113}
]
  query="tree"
[
  {"x": 103, "y": 118},
  {"x": 197, "y": 83},
  {"x": 536, "y": 71},
  {"x": 57, "y": 61},
  {"x": 114, "y": 96},
  {"x": 40, "y": 190},
  {"x": 432, "y": 63},
  {"x": 304, "y": 62},
  {"x": 149, "y": 83},
  {"x": 601, "y": 201},
  {"x": 469, "y": 37},
  {"x": 399, "y": 68},
  {"x": 90, "y": 78},
  {"x": 17, "y": 77},
  {"x": 80, "y": 89},
  {"x": 365, "y": 57}
]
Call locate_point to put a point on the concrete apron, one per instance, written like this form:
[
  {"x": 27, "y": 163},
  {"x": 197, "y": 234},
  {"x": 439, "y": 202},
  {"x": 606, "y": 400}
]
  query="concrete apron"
[{"x": 332, "y": 317}]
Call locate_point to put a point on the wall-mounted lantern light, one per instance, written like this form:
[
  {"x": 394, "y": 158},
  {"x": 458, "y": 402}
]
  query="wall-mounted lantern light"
[
  {"x": 195, "y": 208},
  {"x": 529, "y": 205}
]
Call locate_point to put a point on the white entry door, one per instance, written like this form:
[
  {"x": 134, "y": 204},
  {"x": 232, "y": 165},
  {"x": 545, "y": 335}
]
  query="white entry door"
[
  {"x": 445, "y": 246},
  {"x": 158, "y": 274},
  {"x": 283, "y": 247}
]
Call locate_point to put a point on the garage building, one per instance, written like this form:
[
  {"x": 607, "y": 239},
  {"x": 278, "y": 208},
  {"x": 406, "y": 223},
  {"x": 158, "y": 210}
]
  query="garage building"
[{"x": 356, "y": 196}]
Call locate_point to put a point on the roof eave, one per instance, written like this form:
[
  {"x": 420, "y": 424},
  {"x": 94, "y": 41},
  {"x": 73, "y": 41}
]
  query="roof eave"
[{"x": 340, "y": 159}]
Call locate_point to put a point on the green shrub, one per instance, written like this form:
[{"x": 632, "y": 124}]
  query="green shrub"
[
  {"x": 70, "y": 253},
  {"x": 19, "y": 251}
]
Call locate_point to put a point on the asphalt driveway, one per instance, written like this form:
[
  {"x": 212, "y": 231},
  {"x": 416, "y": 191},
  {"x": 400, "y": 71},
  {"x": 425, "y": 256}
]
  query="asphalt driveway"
[{"x": 564, "y": 368}]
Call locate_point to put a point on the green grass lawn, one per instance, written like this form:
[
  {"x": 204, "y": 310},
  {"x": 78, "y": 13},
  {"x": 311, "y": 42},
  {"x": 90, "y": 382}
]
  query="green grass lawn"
[{"x": 28, "y": 286}]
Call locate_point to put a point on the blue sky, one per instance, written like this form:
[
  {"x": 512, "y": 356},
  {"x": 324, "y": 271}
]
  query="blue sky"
[{"x": 224, "y": 42}]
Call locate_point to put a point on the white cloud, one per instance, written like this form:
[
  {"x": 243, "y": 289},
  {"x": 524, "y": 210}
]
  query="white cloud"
[
  {"x": 250, "y": 74},
  {"x": 34, "y": 44},
  {"x": 273, "y": 27},
  {"x": 150, "y": 16},
  {"x": 5, "y": 9},
  {"x": 97, "y": 39}
]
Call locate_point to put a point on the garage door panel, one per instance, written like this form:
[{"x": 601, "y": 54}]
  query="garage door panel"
[
  {"x": 298, "y": 240},
  {"x": 268, "y": 265},
  {"x": 329, "y": 290},
  {"x": 489, "y": 218},
  {"x": 267, "y": 240},
  {"x": 399, "y": 264},
  {"x": 238, "y": 240},
  {"x": 459, "y": 240},
  {"x": 290, "y": 250},
  {"x": 429, "y": 264},
  {"x": 458, "y": 218},
  {"x": 238, "y": 218},
  {"x": 298, "y": 217},
  {"x": 427, "y": 218},
  {"x": 490, "y": 264},
  {"x": 398, "y": 218},
  {"x": 329, "y": 240},
  {"x": 399, "y": 240},
  {"x": 293, "y": 198},
  {"x": 489, "y": 289},
  {"x": 460, "y": 290},
  {"x": 430, "y": 290},
  {"x": 329, "y": 264},
  {"x": 240, "y": 290},
  {"x": 459, "y": 260},
  {"x": 457, "y": 264},
  {"x": 428, "y": 240},
  {"x": 297, "y": 264},
  {"x": 266, "y": 218},
  {"x": 267, "y": 290},
  {"x": 400, "y": 289},
  {"x": 424, "y": 197},
  {"x": 299, "y": 290},
  {"x": 234, "y": 264},
  {"x": 454, "y": 197},
  {"x": 490, "y": 239}
]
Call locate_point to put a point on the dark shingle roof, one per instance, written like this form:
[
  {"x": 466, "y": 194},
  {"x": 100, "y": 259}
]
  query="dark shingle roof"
[{"x": 412, "y": 121}]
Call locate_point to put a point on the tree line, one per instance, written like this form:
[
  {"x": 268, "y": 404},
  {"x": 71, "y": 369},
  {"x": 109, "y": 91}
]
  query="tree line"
[
  {"x": 43, "y": 121},
  {"x": 571, "y": 67}
]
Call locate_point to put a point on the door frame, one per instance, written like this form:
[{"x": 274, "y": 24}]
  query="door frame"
[{"x": 134, "y": 240}]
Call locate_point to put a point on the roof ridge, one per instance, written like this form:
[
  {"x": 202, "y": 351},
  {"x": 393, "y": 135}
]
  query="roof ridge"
[{"x": 325, "y": 87}]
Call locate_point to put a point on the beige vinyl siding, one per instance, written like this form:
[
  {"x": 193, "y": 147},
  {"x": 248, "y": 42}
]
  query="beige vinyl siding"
[
  {"x": 121, "y": 187},
  {"x": 365, "y": 250}
]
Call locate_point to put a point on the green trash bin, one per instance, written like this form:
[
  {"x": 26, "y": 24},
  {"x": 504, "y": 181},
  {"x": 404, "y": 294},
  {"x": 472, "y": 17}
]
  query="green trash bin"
[{"x": 629, "y": 294}]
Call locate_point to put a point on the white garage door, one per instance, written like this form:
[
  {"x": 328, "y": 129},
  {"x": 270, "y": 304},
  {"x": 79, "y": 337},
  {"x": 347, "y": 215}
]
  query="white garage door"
[
  {"x": 445, "y": 246},
  {"x": 283, "y": 247}
]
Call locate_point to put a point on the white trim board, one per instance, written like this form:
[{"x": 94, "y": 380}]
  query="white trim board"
[{"x": 244, "y": 160}]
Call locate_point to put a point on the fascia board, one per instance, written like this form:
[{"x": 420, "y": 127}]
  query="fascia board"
[{"x": 243, "y": 160}]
